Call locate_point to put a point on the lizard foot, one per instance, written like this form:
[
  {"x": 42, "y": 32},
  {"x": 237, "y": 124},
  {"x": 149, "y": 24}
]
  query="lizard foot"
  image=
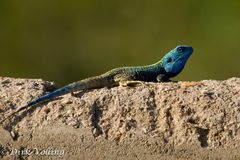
[
  {"x": 163, "y": 78},
  {"x": 130, "y": 83}
]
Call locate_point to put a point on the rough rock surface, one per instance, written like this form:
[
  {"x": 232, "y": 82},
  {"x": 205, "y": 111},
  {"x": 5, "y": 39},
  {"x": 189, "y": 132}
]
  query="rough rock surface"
[{"x": 177, "y": 120}]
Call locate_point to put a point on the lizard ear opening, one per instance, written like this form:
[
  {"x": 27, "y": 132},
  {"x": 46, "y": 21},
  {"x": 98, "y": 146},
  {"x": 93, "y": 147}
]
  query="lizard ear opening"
[{"x": 169, "y": 60}]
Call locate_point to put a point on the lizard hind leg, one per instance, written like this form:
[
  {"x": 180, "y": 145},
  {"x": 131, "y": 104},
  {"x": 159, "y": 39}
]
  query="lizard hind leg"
[
  {"x": 130, "y": 83},
  {"x": 125, "y": 80}
]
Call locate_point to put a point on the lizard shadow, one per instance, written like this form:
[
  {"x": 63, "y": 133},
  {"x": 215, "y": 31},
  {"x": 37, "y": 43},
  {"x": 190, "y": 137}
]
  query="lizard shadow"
[
  {"x": 17, "y": 118},
  {"x": 79, "y": 94}
]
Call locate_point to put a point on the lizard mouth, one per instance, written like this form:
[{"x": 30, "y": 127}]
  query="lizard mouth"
[{"x": 185, "y": 56}]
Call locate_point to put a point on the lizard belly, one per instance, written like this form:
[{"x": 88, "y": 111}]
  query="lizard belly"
[{"x": 147, "y": 77}]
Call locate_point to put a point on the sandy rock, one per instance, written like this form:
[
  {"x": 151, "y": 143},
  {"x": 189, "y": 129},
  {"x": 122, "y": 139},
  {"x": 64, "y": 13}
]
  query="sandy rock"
[{"x": 177, "y": 120}]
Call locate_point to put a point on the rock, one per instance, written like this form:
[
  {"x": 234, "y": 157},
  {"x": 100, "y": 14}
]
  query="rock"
[{"x": 176, "y": 120}]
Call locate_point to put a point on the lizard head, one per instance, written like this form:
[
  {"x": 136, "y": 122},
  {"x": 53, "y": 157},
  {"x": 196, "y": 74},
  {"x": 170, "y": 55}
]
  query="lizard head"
[{"x": 174, "y": 61}]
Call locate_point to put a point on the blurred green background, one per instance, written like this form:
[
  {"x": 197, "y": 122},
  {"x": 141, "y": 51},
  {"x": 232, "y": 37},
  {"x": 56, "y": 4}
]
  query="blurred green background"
[{"x": 65, "y": 41}]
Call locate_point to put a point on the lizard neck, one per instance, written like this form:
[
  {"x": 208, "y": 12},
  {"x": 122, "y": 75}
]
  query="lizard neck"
[
  {"x": 156, "y": 66},
  {"x": 152, "y": 69}
]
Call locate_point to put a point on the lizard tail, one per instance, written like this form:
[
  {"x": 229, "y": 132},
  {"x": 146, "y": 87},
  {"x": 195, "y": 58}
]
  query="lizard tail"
[
  {"x": 59, "y": 92},
  {"x": 90, "y": 83}
]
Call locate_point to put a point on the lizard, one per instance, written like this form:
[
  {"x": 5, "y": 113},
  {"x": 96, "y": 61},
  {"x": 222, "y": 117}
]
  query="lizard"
[{"x": 169, "y": 66}]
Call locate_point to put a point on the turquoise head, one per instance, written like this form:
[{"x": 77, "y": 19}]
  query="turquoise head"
[{"x": 174, "y": 61}]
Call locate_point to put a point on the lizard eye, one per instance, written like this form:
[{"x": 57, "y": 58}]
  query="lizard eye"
[{"x": 180, "y": 49}]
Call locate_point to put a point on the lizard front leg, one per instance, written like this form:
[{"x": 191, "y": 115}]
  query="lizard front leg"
[{"x": 162, "y": 78}]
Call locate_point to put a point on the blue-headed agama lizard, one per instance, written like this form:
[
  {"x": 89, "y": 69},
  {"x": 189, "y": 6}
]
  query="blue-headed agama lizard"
[{"x": 169, "y": 66}]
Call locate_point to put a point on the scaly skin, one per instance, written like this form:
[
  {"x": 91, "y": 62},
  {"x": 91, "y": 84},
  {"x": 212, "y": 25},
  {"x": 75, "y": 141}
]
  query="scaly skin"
[{"x": 169, "y": 66}]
